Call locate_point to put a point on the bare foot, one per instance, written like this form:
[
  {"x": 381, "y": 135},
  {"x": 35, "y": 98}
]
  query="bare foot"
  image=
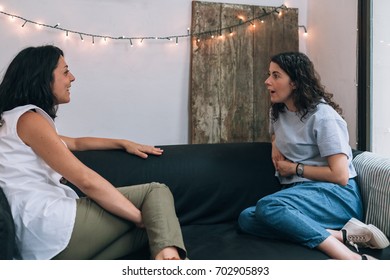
[{"x": 168, "y": 253}]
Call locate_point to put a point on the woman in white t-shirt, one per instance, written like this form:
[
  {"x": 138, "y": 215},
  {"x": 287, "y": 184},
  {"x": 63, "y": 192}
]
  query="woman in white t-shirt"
[
  {"x": 319, "y": 205},
  {"x": 51, "y": 221}
]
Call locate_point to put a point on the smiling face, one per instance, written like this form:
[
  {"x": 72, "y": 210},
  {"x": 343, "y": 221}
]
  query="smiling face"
[
  {"x": 62, "y": 79},
  {"x": 280, "y": 86}
]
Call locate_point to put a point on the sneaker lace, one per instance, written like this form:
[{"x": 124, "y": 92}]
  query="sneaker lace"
[{"x": 355, "y": 240}]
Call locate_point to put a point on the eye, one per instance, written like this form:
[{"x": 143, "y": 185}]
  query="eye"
[{"x": 275, "y": 75}]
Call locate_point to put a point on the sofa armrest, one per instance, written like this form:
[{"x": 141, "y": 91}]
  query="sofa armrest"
[{"x": 374, "y": 181}]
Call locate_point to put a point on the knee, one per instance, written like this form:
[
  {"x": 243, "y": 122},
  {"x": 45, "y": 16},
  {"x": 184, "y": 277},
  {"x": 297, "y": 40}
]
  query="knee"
[
  {"x": 156, "y": 185},
  {"x": 160, "y": 188},
  {"x": 245, "y": 219},
  {"x": 263, "y": 207}
]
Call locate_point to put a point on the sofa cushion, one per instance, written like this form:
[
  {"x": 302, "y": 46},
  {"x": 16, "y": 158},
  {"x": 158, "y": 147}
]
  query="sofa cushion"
[
  {"x": 225, "y": 242},
  {"x": 374, "y": 181}
]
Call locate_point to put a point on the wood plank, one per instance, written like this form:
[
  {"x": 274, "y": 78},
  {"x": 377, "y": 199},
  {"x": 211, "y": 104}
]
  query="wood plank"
[
  {"x": 205, "y": 74},
  {"x": 236, "y": 89},
  {"x": 229, "y": 102},
  {"x": 274, "y": 35}
]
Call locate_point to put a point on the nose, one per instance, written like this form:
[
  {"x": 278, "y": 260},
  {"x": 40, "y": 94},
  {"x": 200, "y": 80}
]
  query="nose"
[
  {"x": 72, "y": 78},
  {"x": 267, "y": 82}
]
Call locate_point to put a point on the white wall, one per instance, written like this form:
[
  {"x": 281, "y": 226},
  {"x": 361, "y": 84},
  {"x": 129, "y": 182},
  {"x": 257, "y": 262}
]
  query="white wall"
[
  {"x": 332, "y": 46},
  {"x": 142, "y": 93}
]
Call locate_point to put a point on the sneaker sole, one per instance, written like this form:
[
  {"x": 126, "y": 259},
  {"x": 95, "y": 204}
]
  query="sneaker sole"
[{"x": 378, "y": 237}]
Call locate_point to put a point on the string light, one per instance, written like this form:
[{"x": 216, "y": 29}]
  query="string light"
[
  {"x": 242, "y": 21},
  {"x": 197, "y": 35},
  {"x": 304, "y": 29}
]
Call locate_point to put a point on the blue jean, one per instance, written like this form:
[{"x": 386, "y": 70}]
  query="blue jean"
[{"x": 302, "y": 212}]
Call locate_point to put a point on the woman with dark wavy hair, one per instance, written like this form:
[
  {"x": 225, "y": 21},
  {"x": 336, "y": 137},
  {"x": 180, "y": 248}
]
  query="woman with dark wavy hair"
[
  {"x": 51, "y": 221},
  {"x": 319, "y": 205}
]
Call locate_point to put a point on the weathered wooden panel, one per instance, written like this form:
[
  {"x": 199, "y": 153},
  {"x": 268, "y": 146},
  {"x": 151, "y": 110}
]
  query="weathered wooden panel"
[
  {"x": 229, "y": 64},
  {"x": 278, "y": 33}
]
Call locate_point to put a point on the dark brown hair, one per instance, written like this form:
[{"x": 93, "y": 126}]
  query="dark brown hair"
[
  {"x": 309, "y": 91},
  {"x": 28, "y": 80}
]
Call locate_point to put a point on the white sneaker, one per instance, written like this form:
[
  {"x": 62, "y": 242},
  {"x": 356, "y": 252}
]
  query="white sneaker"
[{"x": 358, "y": 233}]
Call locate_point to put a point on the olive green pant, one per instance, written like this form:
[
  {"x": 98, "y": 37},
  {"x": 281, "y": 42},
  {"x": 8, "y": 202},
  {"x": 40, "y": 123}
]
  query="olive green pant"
[{"x": 97, "y": 234}]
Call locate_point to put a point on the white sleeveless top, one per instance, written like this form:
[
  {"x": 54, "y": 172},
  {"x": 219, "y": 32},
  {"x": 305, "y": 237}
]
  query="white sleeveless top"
[{"x": 43, "y": 209}]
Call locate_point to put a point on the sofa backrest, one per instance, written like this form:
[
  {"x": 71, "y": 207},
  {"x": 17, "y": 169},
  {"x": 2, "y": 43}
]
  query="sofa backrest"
[{"x": 211, "y": 183}]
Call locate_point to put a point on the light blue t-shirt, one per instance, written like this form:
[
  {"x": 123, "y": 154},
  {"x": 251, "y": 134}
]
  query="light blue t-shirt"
[{"x": 321, "y": 133}]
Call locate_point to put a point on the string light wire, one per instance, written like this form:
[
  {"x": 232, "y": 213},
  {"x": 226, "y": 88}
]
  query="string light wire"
[{"x": 197, "y": 35}]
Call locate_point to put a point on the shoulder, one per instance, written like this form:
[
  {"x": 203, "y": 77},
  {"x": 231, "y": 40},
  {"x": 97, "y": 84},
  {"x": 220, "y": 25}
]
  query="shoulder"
[
  {"x": 323, "y": 108},
  {"x": 30, "y": 118},
  {"x": 324, "y": 111},
  {"x": 33, "y": 121},
  {"x": 34, "y": 116},
  {"x": 32, "y": 124}
]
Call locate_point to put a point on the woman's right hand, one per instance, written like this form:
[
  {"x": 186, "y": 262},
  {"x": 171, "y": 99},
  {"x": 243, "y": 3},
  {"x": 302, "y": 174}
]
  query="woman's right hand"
[{"x": 139, "y": 221}]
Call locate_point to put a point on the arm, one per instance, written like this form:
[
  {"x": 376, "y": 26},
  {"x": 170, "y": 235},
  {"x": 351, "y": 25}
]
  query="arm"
[
  {"x": 37, "y": 133},
  {"x": 276, "y": 154},
  {"x": 93, "y": 143},
  {"x": 336, "y": 171}
]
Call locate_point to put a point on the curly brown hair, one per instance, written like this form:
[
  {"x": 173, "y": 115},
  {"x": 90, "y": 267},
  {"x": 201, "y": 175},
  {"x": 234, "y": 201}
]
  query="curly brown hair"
[{"x": 309, "y": 91}]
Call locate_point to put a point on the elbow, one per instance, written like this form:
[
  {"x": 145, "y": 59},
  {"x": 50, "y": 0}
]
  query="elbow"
[
  {"x": 341, "y": 180},
  {"x": 84, "y": 182}
]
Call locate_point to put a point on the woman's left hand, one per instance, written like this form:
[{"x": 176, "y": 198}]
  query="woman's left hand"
[{"x": 141, "y": 150}]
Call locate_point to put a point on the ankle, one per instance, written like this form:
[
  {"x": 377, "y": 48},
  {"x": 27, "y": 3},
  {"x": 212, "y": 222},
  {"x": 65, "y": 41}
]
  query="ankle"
[{"x": 168, "y": 253}]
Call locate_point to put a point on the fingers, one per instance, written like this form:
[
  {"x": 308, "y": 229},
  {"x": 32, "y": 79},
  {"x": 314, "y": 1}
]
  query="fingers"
[
  {"x": 150, "y": 150},
  {"x": 156, "y": 151},
  {"x": 143, "y": 151},
  {"x": 141, "y": 154}
]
